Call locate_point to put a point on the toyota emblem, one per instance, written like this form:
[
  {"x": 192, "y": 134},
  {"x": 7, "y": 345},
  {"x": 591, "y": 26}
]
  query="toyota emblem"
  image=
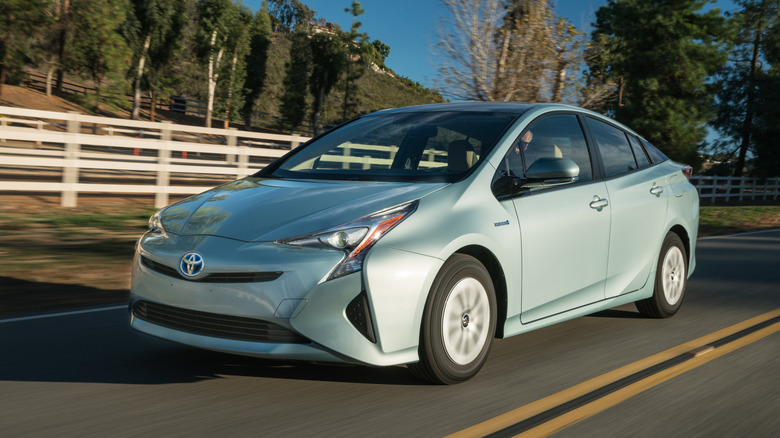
[{"x": 191, "y": 264}]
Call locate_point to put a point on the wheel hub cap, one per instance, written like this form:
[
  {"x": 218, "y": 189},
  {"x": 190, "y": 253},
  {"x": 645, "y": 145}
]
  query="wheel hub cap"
[
  {"x": 673, "y": 275},
  {"x": 465, "y": 321}
]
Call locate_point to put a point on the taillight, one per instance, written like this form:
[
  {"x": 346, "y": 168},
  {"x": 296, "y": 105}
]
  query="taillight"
[{"x": 687, "y": 171}]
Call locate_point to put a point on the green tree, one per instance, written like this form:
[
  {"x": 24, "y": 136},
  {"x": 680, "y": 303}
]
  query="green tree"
[
  {"x": 767, "y": 149},
  {"x": 216, "y": 17},
  {"x": 328, "y": 60},
  {"x": 745, "y": 79},
  {"x": 296, "y": 81},
  {"x": 256, "y": 62},
  {"x": 42, "y": 53},
  {"x": 99, "y": 51},
  {"x": 18, "y": 19},
  {"x": 663, "y": 52},
  {"x": 238, "y": 45},
  {"x": 353, "y": 68},
  {"x": 288, "y": 14},
  {"x": 152, "y": 31},
  {"x": 61, "y": 39},
  {"x": 381, "y": 48}
]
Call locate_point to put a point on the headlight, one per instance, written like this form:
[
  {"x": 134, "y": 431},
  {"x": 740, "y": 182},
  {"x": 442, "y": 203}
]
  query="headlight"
[
  {"x": 355, "y": 238},
  {"x": 155, "y": 225}
]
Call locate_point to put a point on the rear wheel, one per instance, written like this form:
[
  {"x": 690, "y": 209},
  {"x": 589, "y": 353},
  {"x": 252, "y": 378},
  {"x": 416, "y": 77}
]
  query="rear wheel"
[
  {"x": 459, "y": 322},
  {"x": 670, "y": 280}
]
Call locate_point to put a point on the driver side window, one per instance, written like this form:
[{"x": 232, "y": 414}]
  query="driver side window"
[{"x": 557, "y": 136}]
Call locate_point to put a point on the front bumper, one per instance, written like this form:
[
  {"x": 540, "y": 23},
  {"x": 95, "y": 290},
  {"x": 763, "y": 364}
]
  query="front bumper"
[{"x": 341, "y": 320}]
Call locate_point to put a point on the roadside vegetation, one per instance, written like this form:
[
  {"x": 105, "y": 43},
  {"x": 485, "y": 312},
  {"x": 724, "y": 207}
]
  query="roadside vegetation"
[
  {"x": 717, "y": 220},
  {"x": 54, "y": 257}
]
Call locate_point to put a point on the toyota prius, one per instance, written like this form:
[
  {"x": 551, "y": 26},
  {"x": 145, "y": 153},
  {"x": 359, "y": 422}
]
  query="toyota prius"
[{"x": 418, "y": 235}]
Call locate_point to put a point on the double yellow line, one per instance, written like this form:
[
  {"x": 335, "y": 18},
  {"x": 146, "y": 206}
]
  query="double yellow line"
[{"x": 558, "y": 411}]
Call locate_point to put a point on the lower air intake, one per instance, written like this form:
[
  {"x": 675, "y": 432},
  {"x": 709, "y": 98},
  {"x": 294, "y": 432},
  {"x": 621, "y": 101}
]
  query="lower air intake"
[
  {"x": 215, "y": 325},
  {"x": 359, "y": 315}
]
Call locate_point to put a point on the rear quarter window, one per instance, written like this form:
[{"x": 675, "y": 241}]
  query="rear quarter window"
[
  {"x": 656, "y": 156},
  {"x": 613, "y": 145},
  {"x": 639, "y": 152}
]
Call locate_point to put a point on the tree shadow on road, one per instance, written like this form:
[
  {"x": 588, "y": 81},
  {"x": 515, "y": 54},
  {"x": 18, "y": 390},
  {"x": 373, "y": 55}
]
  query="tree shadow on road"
[{"x": 19, "y": 296}]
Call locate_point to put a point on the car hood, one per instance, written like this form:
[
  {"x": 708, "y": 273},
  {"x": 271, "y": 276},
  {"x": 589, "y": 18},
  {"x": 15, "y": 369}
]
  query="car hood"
[{"x": 259, "y": 209}]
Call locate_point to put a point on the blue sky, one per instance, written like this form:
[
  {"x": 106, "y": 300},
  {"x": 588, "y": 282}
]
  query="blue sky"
[{"x": 409, "y": 27}]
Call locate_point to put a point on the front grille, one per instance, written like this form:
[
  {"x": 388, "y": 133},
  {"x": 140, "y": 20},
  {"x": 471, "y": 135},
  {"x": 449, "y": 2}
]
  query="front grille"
[
  {"x": 218, "y": 277},
  {"x": 159, "y": 267},
  {"x": 215, "y": 325}
]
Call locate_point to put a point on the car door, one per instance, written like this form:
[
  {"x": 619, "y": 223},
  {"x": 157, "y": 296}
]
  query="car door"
[
  {"x": 638, "y": 197},
  {"x": 564, "y": 229}
]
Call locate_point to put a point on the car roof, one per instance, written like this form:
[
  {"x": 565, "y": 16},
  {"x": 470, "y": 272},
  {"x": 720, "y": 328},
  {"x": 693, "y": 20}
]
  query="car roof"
[{"x": 495, "y": 107}]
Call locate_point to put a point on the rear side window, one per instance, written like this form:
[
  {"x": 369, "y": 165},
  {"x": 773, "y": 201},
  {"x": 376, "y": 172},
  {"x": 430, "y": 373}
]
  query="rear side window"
[
  {"x": 639, "y": 153},
  {"x": 656, "y": 156},
  {"x": 614, "y": 147}
]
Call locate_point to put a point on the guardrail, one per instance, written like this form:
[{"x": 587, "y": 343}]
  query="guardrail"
[
  {"x": 731, "y": 188},
  {"x": 73, "y": 153}
]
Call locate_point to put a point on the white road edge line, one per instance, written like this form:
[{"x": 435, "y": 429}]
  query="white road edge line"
[
  {"x": 739, "y": 234},
  {"x": 54, "y": 315}
]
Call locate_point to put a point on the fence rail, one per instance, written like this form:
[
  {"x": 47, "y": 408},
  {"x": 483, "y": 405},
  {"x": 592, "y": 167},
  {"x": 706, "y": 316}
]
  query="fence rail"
[
  {"x": 87, "y": 154},
  {"x": 730, "y": 188}
]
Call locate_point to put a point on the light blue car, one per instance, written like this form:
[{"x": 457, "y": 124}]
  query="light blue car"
[{"x": 418, "y": 235}]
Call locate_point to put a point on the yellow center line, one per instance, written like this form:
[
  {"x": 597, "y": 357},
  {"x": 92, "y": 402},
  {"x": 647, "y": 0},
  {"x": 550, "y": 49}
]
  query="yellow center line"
[
  {"x": 634, "y": 389},
  {"x": 527, "y": 411}
]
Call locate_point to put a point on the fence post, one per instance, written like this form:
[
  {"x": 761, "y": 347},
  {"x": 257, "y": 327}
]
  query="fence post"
[
  {"x": 765, "y": 189},
  {"x": 714, "y": 189},
  {"x": 347, "y": 153},
  {"x": 753, "y": 183},
  {"x": 163, "y": 161},
  {"x": 243, "y": 161},
  {"x": 70, "y": 169},
  {"x": 3, "y": 123},
  {"x": 40, "y": 128},
  {"x": 231, "y": 142},
  {"x": 741, "y": 188}
]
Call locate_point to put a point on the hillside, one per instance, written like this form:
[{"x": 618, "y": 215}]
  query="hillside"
[{"x": 377, "y": 90}]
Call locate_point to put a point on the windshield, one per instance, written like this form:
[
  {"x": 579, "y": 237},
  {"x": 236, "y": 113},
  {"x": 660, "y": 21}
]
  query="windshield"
[{"x": 425, "y": 146}]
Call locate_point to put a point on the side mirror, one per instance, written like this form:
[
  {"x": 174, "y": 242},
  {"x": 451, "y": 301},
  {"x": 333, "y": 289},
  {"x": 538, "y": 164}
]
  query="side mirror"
[{"x": 549, "y": 171}]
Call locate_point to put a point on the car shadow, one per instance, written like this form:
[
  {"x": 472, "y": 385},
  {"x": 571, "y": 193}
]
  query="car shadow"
[
  {"x": 616, "y": 313},
  {"x": 97, "y": 345}
]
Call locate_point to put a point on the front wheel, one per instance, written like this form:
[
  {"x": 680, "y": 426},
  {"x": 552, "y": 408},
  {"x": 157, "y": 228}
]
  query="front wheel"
[
  {"x": 459, "y": 322},
  {"x": 670, "y": 280}
]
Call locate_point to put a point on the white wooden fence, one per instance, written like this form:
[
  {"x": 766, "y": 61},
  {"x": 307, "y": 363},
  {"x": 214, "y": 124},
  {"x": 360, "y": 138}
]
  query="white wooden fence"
[
  {"x": 74, "y": 146},
  {"x": 735, "y": 189},
  {"x": 69, "y": 153}
]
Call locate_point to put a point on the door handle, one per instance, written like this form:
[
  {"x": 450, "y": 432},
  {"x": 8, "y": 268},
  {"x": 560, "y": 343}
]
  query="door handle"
[
  {"x": 656, "y": 190},
  {"x": 598, "y": 203}
]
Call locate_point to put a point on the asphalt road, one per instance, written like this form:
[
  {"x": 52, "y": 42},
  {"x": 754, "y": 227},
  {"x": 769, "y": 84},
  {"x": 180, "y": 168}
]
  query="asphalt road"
[{"x": 89, "y": 374}]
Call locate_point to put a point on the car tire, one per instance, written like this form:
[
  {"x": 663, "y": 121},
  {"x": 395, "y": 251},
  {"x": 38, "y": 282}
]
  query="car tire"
[
  {"x": 671, "y": 279},
  {"x": 459, "y": 322}
]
